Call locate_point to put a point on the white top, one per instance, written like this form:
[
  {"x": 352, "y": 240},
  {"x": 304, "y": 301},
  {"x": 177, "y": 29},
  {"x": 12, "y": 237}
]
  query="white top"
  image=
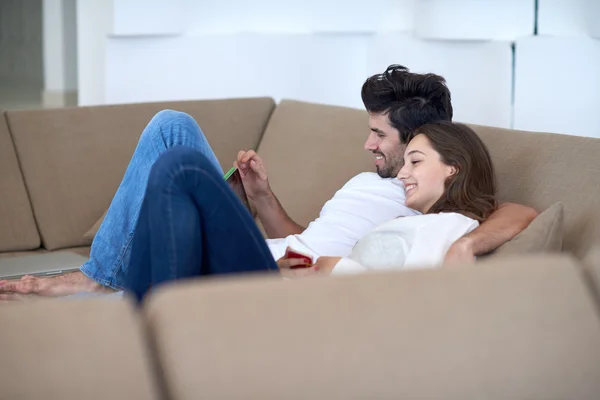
[
  {"x": 365, "y": 202},
  {"x": 406, "y": 243}
]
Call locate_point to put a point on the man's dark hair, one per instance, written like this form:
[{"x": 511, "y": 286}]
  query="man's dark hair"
[{"x": 410, "y": 100}]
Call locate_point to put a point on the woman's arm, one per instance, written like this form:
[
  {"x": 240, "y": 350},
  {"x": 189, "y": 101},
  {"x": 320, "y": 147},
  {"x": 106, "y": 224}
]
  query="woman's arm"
[{"x": 505, "y": 223}]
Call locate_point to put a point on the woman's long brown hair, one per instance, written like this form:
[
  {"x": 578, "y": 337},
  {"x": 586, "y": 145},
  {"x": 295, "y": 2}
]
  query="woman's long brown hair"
[{"x": 471, "y": 191}]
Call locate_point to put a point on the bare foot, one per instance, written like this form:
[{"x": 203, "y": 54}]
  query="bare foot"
[{"x": 60, "y": 285}]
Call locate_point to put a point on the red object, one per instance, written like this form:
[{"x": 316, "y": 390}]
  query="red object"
[{"x": 308, "y": 260}]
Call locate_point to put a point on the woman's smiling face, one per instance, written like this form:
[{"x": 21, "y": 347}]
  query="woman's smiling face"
[{"x": 424, "y": 174}]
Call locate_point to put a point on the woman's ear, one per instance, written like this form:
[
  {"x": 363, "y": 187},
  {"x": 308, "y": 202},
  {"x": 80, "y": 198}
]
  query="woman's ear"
[{"x": 451, "y": 170}]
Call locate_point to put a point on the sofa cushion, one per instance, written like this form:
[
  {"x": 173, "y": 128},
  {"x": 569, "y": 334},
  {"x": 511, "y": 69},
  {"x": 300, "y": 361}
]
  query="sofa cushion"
[
  {"x": 539, "y": 169},
  {"x": 311, "y": 151},
  {"x": 67, "y": 349},
  {"x": 17, "y": 224},
  {"x": 543, "y": 235},
  {"x": 74, "y": 159},
  {"x": 524, "y": 328}
]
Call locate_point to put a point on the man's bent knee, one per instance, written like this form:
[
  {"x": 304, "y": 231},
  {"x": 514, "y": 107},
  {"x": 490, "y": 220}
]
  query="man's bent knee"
[{"x": 172, "y": 116}]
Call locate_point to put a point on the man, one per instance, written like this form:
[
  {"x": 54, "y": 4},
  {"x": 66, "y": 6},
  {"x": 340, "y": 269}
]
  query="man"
[{"x": 398, "y": 102}]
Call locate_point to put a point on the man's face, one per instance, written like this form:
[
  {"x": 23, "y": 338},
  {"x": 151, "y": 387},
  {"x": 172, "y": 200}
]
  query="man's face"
[{"x": 384, "y": 143}]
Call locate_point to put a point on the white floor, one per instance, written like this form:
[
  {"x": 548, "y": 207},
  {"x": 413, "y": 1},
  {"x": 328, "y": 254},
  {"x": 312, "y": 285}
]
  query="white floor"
[{"x": 26, "y": 96}]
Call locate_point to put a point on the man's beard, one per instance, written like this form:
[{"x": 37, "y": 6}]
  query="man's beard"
[{"x": 391, "y": 167}]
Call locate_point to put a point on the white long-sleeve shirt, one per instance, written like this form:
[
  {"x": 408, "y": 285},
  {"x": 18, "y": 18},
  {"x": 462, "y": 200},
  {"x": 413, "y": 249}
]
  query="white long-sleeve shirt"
[
  {"x": 406, "y": 243},
  {"x": 365, "y": 202}
]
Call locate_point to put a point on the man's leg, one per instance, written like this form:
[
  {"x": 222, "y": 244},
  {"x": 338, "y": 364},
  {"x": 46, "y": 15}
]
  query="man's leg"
[
  {"x": 111, "y": 249},
  {"x": 192, "y": 224}
]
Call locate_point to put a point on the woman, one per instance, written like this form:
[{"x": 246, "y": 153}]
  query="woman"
[{"x": 184, "y": 232}]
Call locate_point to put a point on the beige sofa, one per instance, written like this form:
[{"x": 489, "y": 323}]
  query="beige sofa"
[{"x": 525, "y": 327}]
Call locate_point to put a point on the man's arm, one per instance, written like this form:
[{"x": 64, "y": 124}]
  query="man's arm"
[
  {"x": 276, "y": 222},
  {"x": 273, "y": 217},
  {"x": 505, "y": 223}
]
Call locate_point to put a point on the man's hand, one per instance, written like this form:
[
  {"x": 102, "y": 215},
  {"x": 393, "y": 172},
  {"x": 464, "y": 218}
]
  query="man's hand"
[
  {"x": 253, "y": 173},
  {"x": 504, "y": 224},
  {"x": 60, "y": 285},
  {"x": 461, "y": 252},
  {"x": 274, "y": 219},
  {"x": 25, "y": 286}
]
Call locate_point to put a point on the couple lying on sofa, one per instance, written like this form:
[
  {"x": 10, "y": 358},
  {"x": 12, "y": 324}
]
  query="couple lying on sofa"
[{"x": 174, "y": 217}]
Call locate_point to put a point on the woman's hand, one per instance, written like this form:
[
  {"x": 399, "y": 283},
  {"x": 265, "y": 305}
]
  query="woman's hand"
[
  {"x": 323, "y": 267},
  {"x": 286, "y": 267}
]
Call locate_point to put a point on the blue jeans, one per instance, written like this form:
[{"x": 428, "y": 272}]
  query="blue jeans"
[
  {"x": 111, "y": 250},
  {"x": 192, "y": 224}
]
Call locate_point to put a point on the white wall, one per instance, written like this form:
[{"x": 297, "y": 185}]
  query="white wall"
[
  {"x": 558, "y": 92},
  {"x": 317, "y": 50},
  {"x": 311, "y": 67},
  {"x": 558, "y": 72},
  {"x": 473, "y": 19},
  {"x": 148, "y": 17},
  {"x": 569, "y": 18},
  {"x": 94, "y": 25},
  {"x": 194, "y": 17}
]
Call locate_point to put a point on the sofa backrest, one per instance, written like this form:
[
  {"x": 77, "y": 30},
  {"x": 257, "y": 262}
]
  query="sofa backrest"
[
  {"x": 311, "y": 151},
  {"x": 525, "y": 328},
  {"x": 74, "y": 159},
  {"x": 74, "y": 349},
  {"x": 539, "y": 169},
  {"x": 17, "y": 225}
]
